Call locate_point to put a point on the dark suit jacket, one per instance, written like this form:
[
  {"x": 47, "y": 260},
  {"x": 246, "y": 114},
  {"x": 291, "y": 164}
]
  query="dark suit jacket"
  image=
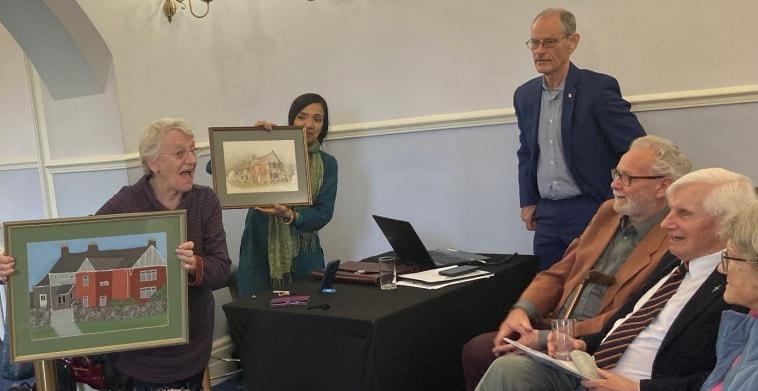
[
  {"x": 596, "y": 129},
  {"x": 688, "y": 351}
]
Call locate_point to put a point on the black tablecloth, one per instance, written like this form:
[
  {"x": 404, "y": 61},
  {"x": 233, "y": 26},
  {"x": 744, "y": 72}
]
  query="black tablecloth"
[{"x": 406, "y": 339}]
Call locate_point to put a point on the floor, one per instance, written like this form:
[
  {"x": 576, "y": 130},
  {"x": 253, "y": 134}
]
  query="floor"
[
  {"x": 7, "y": 384},
  {"x": 232, "y": 383}
]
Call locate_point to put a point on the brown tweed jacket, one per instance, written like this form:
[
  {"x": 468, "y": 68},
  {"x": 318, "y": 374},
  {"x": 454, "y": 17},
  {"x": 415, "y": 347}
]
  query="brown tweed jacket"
[{"x": 551, "y": 288}]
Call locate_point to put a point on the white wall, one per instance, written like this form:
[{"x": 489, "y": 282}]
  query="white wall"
[
  {"x": 374, "y": 60},
  {"x": 84, "y": 127},
  {"x": 16, "y": 117},
  {"x": 388, "y": 59}
]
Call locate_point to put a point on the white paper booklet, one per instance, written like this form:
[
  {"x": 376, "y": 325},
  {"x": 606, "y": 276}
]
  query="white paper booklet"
[
  {"x": 432, "y": 276},
  {"x": 438, "y": 285},
  {"x": 566, "y": 366}
]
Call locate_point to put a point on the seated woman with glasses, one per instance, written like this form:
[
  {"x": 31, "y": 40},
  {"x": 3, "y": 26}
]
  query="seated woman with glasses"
[{"x": 737, "y": 346}]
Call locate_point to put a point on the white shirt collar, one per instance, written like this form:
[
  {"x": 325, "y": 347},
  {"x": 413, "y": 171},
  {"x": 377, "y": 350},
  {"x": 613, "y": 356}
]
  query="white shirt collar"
[{"x": 704, "y": 265}]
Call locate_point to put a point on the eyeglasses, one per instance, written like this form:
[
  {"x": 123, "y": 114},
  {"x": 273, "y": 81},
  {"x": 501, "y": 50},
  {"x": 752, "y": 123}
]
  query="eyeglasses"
[
  {"x": 626, "y": 179},
  {"x": 547, "y": 43},
  {"x": 181, "y": 154},
  {"x": 725, "y": 257}
]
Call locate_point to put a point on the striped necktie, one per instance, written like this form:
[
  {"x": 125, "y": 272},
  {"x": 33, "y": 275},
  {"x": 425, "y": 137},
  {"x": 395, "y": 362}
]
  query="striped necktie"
[{"x": 610, "y": 350}]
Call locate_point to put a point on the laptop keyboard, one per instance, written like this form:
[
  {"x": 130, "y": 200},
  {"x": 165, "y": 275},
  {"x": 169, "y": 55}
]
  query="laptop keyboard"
[{"x": 445, "y": 259}]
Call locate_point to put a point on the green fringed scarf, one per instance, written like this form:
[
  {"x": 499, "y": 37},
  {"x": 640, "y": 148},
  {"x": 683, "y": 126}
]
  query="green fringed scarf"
[{"x": 284, "y": 242}]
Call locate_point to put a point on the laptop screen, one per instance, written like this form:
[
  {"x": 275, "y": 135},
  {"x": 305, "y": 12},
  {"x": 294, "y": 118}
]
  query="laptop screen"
[{"x": 404, "y": 241}]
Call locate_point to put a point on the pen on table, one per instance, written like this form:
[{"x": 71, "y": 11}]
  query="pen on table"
[{"x": 284, "y": 293}]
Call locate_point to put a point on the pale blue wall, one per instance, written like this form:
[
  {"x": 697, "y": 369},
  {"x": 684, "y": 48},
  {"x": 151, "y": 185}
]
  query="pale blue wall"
[
  {"x": 22, "y": 197},
  {"x": 82, "y": 193},
  {"x": 719, "y": 136},
  {"x": 458, "y": 188}
]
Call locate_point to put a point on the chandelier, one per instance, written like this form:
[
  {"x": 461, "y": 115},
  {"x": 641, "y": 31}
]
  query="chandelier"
[{"x": 169, "y": 8}]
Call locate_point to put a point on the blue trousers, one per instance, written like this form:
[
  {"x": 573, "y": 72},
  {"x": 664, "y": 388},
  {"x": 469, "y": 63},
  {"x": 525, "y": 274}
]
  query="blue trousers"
[
  {"x": 558, "y": 223},
  {"x": 516, "y": 372}
]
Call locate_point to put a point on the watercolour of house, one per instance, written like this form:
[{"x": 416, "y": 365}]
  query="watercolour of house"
[
  {"x": 96, "y": 277},
  {"x": 266, "y": 169}
]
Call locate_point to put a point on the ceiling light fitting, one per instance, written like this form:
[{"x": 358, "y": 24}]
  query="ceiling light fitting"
[{"x": 169, "y": 8}]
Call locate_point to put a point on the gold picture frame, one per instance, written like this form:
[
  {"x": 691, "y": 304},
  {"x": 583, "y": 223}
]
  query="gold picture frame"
[
  {"x": 252, "y": 166},
  {"x": 96, "y": 284}
]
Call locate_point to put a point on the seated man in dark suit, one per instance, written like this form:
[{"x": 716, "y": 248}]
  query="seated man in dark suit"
[
  {"x": 664, "y": 338},
  {"x": 624, "y": 241}
]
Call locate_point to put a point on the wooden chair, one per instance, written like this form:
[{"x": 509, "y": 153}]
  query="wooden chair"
[{"x": 206, "y": 380}]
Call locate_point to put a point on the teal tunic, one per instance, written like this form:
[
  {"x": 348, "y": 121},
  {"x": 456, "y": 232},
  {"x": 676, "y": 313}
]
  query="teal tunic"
[{"x": 253, "y": 274}]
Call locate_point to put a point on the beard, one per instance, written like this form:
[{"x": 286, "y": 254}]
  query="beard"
[{"x": 625, "y": 206}]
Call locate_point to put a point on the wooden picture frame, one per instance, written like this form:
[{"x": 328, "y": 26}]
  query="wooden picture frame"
[
  {"x": 252, "y": 166},
  {"x": 96, "y": 284}
]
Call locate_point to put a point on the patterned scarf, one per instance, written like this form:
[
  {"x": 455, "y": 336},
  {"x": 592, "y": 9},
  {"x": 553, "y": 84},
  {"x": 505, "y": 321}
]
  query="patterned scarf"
[{"x": 284, "y": 242}]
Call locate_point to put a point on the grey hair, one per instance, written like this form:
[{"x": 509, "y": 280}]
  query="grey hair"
[
  {"x": 669, "y": 160},
  {"x": 568, "y": 21},
  {"x": 730, "y": 192},
  {"x": 741, "y": 229},
  {"x": 152, "y": 139}
]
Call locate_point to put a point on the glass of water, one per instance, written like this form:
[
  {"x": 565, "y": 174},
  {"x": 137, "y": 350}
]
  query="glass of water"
[
  {"x": 563, "y": 332},
  {"x": 387, "y": 273}
]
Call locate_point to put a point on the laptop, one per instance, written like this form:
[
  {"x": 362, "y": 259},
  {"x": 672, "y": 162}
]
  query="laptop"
[{"x": 408, "y": 246}]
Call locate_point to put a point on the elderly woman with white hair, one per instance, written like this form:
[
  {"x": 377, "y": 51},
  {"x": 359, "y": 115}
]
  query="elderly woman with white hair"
[
  {"x": 167, "y": 155},
  {"x": 737, "y": 345}
]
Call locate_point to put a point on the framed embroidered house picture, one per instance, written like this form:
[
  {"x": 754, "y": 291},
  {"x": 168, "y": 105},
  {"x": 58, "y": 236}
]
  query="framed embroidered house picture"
[
  {"x": 96, "y": 284},
  {"x": 252, "y": 166}
]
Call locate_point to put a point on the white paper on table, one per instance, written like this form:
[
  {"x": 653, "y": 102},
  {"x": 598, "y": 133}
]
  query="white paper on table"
[
  {"x": 432, "y": 276},
  {"x": 566, "y": 366},
  {"x": 438, "y": 285}
]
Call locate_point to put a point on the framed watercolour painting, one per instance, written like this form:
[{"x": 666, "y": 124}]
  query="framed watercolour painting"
[
  {"x": 253, "y": 166},
  {"x": 96, "y": 284}
]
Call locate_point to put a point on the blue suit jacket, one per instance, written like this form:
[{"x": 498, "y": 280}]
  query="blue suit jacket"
[{"x": 596, "y": 129}]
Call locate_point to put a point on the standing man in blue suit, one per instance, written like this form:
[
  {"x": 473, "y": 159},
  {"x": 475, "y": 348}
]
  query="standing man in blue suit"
[{"x": 574, "y": 126}]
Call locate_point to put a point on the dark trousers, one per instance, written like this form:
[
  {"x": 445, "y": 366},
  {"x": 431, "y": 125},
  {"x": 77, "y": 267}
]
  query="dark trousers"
[
  {"x": 558, "y": 223},
  {"x": 193, "y": 383},
  {"x": 476, "y": 358}
]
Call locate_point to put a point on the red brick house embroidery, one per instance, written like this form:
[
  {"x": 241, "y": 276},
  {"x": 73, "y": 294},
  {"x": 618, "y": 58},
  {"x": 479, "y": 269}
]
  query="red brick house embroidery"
[{"x": 96, "y": 277}]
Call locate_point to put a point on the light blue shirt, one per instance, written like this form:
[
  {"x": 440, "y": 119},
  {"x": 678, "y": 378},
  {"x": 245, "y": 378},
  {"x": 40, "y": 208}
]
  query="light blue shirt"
[{"x": 554, "y": 180}]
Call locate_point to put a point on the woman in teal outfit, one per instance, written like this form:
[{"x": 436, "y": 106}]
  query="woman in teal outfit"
[{"x": 281, "y": 243}]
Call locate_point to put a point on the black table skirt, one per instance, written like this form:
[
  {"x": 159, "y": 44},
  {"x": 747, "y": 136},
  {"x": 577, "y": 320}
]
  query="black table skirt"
[{"x": 406, "y": 339}]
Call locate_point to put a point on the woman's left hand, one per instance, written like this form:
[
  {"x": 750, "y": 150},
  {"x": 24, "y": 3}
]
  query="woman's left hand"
[
  {"x": 609, "y": 381},
  {"x": 276, "y": 210},
  {"x": 187, "y": 257},
  {"x": 6, "y": 267}
]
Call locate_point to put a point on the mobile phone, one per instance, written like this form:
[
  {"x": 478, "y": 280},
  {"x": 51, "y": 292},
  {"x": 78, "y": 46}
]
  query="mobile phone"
[
  {"x": 458, "y": 270},
  {"x": 330, "y": 272}
]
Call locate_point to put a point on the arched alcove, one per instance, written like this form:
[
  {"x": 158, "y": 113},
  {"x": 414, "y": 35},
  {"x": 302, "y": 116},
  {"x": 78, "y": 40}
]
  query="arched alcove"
[{"x": 62, "y": 43}]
